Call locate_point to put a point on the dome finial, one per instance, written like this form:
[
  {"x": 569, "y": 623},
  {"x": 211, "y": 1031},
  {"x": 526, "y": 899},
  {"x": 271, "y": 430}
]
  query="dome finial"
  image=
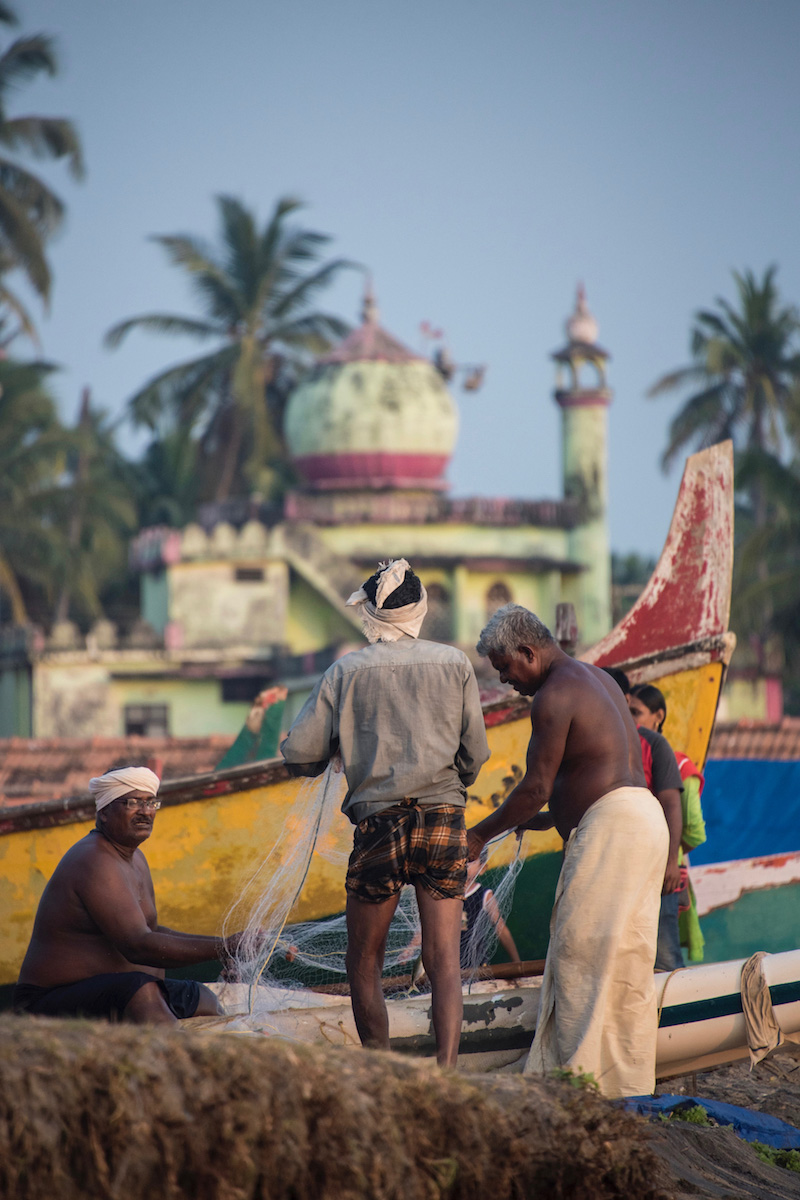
[
  {"x": 581, "y": 326},
  {"x": 369, "y": 309}
]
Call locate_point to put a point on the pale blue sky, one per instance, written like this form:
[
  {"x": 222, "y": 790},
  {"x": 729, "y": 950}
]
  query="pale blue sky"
[{"x": 479, "y": 156}]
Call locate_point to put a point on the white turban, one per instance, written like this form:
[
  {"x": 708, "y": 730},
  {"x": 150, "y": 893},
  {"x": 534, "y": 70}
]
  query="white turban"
[
  {"x": 114, "y": 784},
  {"x": 389, "y": 624}
]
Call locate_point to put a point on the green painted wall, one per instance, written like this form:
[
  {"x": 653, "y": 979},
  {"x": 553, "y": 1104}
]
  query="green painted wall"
[
  {"x": 584, "y": 455},
  {"x": 768, "y": 919},
  {"x": 15, "y": 702},
  {"x": 154, "y": 598},
  {"x": 311, "y": 623},
  {"x": 529, "y": 919},
  {"x": 195, "y": 706}
]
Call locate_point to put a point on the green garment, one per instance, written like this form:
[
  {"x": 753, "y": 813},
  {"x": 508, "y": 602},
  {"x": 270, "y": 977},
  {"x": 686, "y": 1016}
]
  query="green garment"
[
  {"x": 255, "y": 747},
  {"x": 694, "y": 834}
]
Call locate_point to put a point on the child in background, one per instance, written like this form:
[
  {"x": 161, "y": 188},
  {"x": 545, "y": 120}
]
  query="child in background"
[{"x": 481, "y": 919}]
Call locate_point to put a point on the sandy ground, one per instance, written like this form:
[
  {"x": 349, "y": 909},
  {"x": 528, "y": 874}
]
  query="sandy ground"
[{"x": 714, "y": 1163}]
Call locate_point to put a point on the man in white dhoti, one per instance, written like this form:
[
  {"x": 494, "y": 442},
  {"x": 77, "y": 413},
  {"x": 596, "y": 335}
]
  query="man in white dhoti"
[{"x": 598, "y": 1012}]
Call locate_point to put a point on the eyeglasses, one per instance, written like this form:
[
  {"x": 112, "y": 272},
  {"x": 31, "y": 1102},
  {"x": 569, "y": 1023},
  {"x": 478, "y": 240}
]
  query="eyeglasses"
[{"x": 141, "y": 805}]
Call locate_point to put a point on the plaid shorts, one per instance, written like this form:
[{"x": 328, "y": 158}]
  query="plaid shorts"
[{"x": 409, "y": 843}]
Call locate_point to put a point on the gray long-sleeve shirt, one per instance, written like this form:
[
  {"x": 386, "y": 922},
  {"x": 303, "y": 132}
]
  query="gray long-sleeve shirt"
[{"x": 407, "y": 719}]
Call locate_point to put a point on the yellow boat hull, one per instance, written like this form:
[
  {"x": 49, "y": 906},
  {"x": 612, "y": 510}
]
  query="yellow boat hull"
[{"x": 205, "y": 849}]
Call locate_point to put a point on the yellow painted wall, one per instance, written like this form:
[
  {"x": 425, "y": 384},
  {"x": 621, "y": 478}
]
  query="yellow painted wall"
[{"x": 447, "y": 541}]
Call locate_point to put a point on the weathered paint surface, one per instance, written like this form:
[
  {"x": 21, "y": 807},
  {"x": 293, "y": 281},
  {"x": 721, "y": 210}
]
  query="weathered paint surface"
[
  {"x": 718, "y": 885},
  {"x": 688, "y": 597}
]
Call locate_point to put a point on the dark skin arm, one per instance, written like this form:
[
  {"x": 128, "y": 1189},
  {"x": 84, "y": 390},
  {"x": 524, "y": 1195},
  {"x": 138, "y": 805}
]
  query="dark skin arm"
[
  {"x": 113, "y": 905},
  {"x": 551, "y": 719},
  {"x": 540, "y": 822},
  {"x": 670, "y": 801}
]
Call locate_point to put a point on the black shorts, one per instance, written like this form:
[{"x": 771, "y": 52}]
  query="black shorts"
[{"x": 105, "y": 996}]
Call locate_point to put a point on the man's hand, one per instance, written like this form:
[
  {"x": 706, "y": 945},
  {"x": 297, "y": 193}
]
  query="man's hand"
[
  {"x": 672, "y": 879},
  {"x": 475, "y": 844}
]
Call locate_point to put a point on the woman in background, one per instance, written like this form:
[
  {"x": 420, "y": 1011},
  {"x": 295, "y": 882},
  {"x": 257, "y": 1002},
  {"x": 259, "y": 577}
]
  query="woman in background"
[{"x": 649, "y": 709}]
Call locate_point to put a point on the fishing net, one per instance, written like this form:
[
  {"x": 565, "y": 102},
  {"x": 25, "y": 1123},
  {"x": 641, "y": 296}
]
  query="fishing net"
[{"x": 278, "y": 953}]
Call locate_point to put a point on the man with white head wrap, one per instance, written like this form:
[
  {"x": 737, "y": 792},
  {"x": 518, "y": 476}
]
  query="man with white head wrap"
[
  {"x": 405, "y": 716},
  {"x": 97, "y": 949}
]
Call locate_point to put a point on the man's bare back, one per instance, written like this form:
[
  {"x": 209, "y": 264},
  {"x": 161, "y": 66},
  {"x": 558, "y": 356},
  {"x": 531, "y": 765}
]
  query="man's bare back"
[{"x": 583, "y": 743}]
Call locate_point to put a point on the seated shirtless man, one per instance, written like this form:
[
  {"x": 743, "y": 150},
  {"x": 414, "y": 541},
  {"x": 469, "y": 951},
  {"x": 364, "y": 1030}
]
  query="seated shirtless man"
[
  {"x": 598, "y": 1005},
  {"x": 97, "y": 949}
]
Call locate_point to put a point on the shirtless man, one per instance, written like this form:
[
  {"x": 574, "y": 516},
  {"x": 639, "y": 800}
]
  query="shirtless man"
[
  {"x": 97, "y": 949},
  {"x": 598, "y": 1005}
]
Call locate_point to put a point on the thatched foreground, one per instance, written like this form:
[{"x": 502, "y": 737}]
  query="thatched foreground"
[{"x": 91, "y": 1110}]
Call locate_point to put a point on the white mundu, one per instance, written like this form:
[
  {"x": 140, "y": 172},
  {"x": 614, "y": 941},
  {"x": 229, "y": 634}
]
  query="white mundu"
[{"x": 598, "y": 1011}]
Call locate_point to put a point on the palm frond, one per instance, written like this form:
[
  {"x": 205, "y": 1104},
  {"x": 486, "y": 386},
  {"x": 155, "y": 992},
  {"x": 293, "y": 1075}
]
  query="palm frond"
[
  {"x": 21, "y": 242},
  {"x": 701, "y": 421},
  {"x": 241, "y": 241},
  {"x": 41, "y": 204},
  {"x": 167, "y": 323},
  {"x": 26, "y": 58},
  {"x": 170, "y": 389},
  {"x": 304, "y": 291},
  {"x": 676, "y": 379},
  {"x": 274, "y": 232},
  {"x": 45, "y": 137}
]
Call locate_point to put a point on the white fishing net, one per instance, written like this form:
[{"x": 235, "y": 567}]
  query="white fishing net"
[{"x": 279, "y": 953}]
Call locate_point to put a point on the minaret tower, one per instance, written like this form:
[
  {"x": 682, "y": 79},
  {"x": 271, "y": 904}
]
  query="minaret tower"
[{"x": 583, "y": 398}]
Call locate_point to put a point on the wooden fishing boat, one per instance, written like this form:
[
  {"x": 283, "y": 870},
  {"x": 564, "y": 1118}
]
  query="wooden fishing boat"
[
  {"x": 213, "y": 828},
  {"x": 701, "y": 1017},
  {"x": 701, "y": 1021}
]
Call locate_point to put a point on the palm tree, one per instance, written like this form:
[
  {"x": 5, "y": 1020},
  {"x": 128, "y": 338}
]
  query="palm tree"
[
  {"x": 32, "y": 457},
  {"x": 746, "y": 363},
  {"x": 29, "y": 210},
  {"x": 747, "y": 366},
  {"x": 92, "y": 510},
  {"x": 255, "y": 292}
]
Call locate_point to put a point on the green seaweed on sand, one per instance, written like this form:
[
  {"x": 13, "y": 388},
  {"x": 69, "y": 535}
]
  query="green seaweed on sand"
[
  {"x": 790, "y": 1159},
  {"x": 696, "y": 1115}
]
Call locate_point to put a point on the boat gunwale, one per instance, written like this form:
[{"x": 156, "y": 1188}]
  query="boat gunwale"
[{"x": 67, "y": 810}]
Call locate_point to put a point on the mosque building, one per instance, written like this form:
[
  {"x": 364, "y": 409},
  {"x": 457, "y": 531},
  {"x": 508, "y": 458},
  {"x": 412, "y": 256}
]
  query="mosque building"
[{"x": 245, "y": 597}]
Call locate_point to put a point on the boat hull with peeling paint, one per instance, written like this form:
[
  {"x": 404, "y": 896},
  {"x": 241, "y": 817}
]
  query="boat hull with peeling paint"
[{"x": 701, "y": 1017}]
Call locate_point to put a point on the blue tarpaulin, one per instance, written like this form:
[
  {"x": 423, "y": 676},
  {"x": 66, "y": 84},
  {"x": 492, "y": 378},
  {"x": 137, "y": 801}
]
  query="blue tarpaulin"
[
  {"x": 751, "y": 809},
  {"x": 749, "y": 1125}
]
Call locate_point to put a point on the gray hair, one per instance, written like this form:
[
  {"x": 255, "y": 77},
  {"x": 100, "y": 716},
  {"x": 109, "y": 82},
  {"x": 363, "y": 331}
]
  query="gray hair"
[{"x": 510, "y": 627}]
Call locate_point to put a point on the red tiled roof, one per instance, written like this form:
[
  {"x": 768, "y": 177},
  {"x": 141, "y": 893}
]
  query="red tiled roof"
[
  {"x": 33, "y": 769},
  {"x": 757, "y": 739}
]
